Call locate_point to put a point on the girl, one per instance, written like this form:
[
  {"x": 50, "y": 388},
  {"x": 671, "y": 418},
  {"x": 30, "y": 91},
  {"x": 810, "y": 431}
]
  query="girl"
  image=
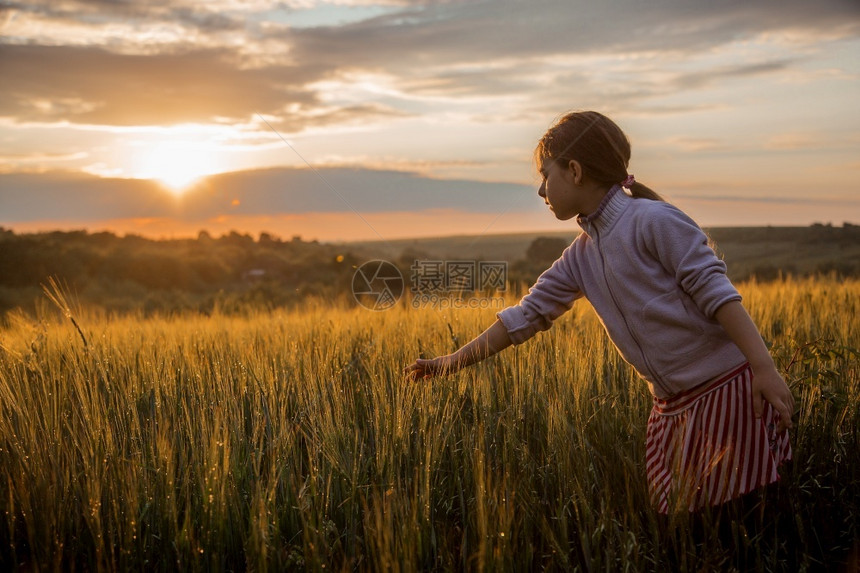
[{"x": 718, "y": 426}]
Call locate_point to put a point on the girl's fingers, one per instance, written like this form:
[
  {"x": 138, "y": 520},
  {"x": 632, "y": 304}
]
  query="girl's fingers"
[
  {"x": 425, "y": 368},
  {"x": 421, "y": 368},
  {"x": 784, "y": 417},
  {"x": 758, "y": 403},
  {"x": 413, "y": 371}
]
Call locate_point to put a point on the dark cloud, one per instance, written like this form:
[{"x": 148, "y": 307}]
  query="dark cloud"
[
  {"x": 438, "y": 50},
  {"x": 95, "y": 86},
  {"x": 703, "y": 78},
  {"x": 643, "y": 92},
  {"x": 343, "y": 115},
  {"x": 344, "y": 189},
  {"x": 495, "y": 29},
  {"x": 68, "y": 197},
  {"x": 431, "y": 48}
]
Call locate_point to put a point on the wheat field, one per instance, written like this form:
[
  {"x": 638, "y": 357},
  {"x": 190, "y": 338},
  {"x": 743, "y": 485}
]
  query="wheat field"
[{"x": 288, "y": 440}]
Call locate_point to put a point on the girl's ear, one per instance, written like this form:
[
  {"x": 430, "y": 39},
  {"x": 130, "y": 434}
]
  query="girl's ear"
[{"x": 575, "y": 171}]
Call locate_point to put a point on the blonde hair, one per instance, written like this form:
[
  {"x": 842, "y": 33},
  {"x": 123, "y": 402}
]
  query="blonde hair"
[{"x": 597, "y": 143}]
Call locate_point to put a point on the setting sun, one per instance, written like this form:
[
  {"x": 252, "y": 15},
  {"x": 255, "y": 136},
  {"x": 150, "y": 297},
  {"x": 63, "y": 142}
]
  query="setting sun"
[{"x": 177, "y": 165}]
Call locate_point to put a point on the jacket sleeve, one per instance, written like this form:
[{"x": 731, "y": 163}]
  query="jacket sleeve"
[
  {"x": 682, "y": 248},
  {"x": 551, "y": 296}
]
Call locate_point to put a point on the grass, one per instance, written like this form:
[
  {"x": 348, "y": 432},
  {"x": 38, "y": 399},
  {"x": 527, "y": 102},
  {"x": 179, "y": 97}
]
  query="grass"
[{"x": 283, "y": 440}]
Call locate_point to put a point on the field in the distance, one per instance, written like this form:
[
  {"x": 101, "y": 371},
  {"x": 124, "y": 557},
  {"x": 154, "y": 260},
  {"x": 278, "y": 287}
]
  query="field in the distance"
[
  {"x": 236, "y": 271},
  {"x": 763, "y": 252},
  {"x": 287, "y": 440}
]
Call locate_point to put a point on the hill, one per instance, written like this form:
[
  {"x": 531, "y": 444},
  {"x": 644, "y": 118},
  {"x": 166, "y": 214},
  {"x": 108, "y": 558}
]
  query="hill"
[
  {"x": 761, "y": 252},
  {"x": 502, "y": 247},
  {"x": 235, "y": 271},
  {"x": 765, "y": 252}
]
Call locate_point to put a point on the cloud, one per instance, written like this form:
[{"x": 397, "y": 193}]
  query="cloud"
[
  {"x": 229, "y": 61},
  {"x": 337, "y": 203},
  {"x": 489, "y": 30},
  {"x": 36, "y": 158},
  {"x": 400, "y": 82},
  {"x": 95, "y": 13},
  {"x": 549, "y": 55},
  {"x": 346, "y": 189},
  {"x": 698, "y": 144},
  {"x": 95, "y": 86},
  {"x": 69, "y": 196},
  {"x": 770, "y": 199},
  {"x": 332, "y": 203},
  {"x": 702, "y": 78},
  {"x": 817, "y": 141}
]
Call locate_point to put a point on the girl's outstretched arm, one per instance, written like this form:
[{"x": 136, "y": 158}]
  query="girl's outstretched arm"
[
  {"x": 767, "y": 384},
  {"x": 493, "y": 340}
]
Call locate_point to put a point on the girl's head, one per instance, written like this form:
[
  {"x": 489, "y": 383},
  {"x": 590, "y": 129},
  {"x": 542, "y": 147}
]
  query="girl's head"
[{"x": 597, "y": 143}]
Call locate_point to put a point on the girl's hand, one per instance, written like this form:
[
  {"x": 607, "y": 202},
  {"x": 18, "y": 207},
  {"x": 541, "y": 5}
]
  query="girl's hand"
[
  {"x": 769, "y": 385},
  {"x": 427, "y": 368},
  {"x": 488, "y": 343}
]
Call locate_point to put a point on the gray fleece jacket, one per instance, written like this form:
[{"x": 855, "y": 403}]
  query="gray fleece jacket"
[{"x": 647, "y": 269}]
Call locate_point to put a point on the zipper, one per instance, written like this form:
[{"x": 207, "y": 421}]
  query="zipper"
[{"x": 630, "y": 331}]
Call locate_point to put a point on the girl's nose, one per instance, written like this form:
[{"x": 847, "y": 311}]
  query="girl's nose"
[{"x": 542, "y": 190}]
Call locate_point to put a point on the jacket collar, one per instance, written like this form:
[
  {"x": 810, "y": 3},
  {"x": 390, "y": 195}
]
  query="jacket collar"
[{"x": 607, "y": 213}]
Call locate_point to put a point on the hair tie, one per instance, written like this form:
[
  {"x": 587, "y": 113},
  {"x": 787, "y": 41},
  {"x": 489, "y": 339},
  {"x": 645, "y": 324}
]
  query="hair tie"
[{"x": 628, "y": 181}]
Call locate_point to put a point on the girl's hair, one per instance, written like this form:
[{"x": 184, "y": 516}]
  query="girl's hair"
[{"x": 597, "y": 143}]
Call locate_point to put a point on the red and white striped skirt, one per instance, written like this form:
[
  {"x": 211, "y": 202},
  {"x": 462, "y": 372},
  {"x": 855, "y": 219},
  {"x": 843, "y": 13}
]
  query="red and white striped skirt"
[{"x": 705, "y": 446}]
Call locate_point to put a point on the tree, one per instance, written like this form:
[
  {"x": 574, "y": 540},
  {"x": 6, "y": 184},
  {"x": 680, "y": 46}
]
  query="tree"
[{"x": 544, "y": 250}]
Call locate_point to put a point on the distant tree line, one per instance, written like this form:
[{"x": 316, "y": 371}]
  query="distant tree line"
[
  {"x": 236, "y": 271},
  {"x": 133, "y": 272}
]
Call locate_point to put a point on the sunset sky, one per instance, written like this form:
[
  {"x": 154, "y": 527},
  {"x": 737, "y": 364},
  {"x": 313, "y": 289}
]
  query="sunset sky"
[{"x": 382, "y": 119}]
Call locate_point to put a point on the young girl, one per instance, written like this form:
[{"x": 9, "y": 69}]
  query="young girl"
[{"x": 718, "y": 426}]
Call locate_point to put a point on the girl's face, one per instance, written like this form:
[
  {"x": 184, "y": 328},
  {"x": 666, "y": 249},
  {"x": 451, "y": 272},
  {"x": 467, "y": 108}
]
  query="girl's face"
[{"x": 558, "y": 189}]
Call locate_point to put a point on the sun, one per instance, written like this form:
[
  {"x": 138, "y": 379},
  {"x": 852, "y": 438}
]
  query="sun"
[{"x": 176, "y": 165}]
